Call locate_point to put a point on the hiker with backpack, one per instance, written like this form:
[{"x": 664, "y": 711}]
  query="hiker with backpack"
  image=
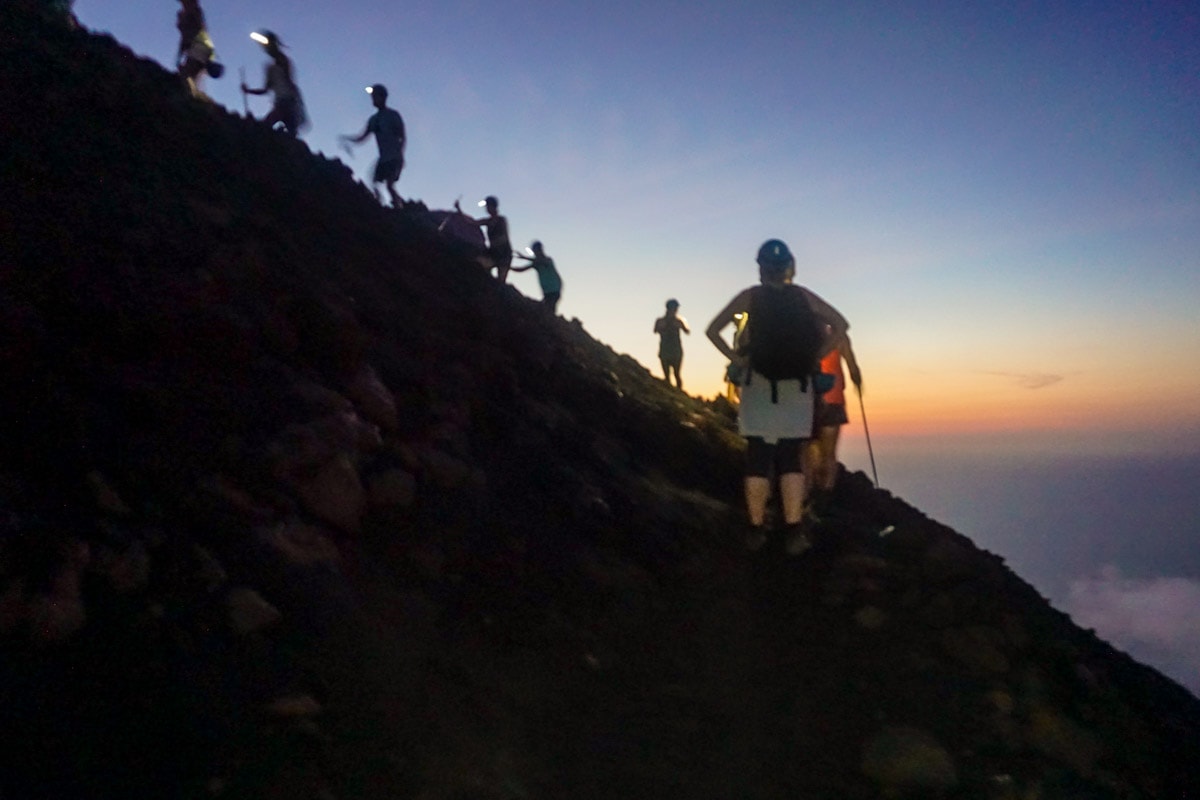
[
  {"x": 670, "y": 348},
  {"x": 821, "y": 457},
  {"x": 197, "y": 55},
  {"x": 388, "y": 127},
  {"x": 499, "y": 248},
  {"x": 788, "y": 331},
  {"x": 280, "y": 81}
]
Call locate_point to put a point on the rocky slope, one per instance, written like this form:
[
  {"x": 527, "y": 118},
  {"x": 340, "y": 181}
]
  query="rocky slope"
[{"x": 296, "y": 502}]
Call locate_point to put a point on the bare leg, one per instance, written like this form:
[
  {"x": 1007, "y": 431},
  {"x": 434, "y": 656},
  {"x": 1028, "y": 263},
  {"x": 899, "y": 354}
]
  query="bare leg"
[
  {"x": 792, "y": 490},
  {"x": 190, "y": 71},
  {"x": 829, "y": 443},
  {"x": 758, "y": 491}
]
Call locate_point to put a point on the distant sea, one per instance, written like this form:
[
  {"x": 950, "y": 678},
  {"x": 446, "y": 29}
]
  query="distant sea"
[{"x": 1114, "y": 541}]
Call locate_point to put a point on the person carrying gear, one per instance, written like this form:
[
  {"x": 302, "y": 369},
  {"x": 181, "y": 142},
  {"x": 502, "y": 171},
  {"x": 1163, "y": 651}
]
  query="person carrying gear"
[
  {"x": 548, "y": 277},
  {"x": 670, "y": 348},
  {"x": 499, "y": 247},
  {"x": 196, "y": 52},
  {"x": 280, "y": 81},
  {"x": 788, "y": 330},
  {"x": 821, "y": 456},
  {"x": 388, "y": 127}
]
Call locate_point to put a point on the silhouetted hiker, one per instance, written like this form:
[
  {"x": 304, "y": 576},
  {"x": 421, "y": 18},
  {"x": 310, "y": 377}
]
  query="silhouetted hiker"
[
  {"x": 280, "y": 81},
  {"x": 548, "y": 277},
  {"x": 196, "y": 52},
  {"x": 821, "y": 461},
  {"x": 670, "y": 349},
  {"x": 388, "y": 127},
  {"x": 499, "y": 248},
  {"x": 788, "y": 330}
]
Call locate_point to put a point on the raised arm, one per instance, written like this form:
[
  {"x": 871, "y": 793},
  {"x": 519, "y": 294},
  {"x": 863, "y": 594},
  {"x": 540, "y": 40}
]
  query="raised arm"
[{"x": 738, "y": 305}]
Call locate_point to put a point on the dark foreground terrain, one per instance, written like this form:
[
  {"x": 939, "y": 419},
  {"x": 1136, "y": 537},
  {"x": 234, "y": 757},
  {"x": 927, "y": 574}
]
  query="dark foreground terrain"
[{"x": 296, "y": 502}]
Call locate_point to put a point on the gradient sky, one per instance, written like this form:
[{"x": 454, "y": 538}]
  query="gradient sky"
[{"x": 1004, "y": 199}]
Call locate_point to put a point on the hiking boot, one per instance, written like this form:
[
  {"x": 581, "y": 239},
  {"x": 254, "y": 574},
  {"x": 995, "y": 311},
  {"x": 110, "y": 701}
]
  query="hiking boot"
[
  {"x": 756, "y": 537},
  {"x": 820, "y": 503},
  {"x": 798, "y": 541}
]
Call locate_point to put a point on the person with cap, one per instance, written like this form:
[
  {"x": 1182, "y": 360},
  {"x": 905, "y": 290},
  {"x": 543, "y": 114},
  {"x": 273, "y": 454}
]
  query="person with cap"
[
  {"x": 788, "y": 330},
  {"x": 670, "y": 348},
  {"x": 280, "y": 81},
  {"x": 499, "y": 247},
  {"x": 388, "y": 127},
  {"x": 548, "y": 277},
  {"x": 197, "y": 54}
]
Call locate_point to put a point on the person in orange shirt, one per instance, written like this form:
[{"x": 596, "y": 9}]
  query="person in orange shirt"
[{"x": 821, "y": 455}]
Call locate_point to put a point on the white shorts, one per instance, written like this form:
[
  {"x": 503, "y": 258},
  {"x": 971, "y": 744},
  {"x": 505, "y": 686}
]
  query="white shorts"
[{"x": 790, "y": 418}]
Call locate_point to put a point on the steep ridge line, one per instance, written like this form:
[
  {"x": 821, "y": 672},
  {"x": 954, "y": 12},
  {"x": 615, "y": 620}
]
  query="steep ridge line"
[{"x": 298, "y": 502}]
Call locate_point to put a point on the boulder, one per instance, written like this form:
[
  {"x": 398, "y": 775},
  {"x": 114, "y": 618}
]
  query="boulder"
[
  {"x": 395, "y": 488},
  {"x": 908, "y": 761},
  {"x": 335, "y": 494},
  {"x": 248, "y": 612},
  {"x": 373, "y": 400}
]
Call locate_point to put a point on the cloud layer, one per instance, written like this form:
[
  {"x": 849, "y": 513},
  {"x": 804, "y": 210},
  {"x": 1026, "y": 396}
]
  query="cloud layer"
[{"x": 1156, "y": 619}]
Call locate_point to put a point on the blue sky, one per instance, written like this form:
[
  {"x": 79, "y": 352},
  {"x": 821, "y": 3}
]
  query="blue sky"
[{"x": 1003, "y": 198}]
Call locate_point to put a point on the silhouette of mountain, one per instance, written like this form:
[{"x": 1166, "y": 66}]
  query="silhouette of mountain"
[{"x": 296, "y": 501}]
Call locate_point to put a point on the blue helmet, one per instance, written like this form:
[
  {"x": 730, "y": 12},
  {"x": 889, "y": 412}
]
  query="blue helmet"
[{"x": 774, "y": 256}]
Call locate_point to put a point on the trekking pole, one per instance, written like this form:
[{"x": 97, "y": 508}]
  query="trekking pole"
[
  {"x": 245, "y": 101},
  {"x": 863, "y": 409}
]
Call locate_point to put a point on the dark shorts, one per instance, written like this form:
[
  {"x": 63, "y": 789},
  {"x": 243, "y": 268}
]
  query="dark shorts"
[
  {"x": 501, "y": 259},
  {"x": 830, "y": 415},
  {"x": 388, "y": 171},
  {"x": 287, "y": 111},
  {"x": 781, "y": 458}
]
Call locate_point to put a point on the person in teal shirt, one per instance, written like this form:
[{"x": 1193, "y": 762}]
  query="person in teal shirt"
[{"x": 548, "y": 277}]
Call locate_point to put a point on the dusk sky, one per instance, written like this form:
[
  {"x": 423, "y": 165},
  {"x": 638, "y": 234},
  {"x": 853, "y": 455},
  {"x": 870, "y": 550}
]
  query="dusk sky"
[{"x": 1003, "y": 198}]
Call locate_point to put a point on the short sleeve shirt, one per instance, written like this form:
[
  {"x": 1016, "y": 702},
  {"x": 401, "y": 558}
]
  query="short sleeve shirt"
[{"x": 388, "y": 127}]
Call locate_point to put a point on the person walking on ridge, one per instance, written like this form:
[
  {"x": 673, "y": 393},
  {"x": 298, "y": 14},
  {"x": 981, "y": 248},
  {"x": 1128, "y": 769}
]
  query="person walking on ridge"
[
  {"x": 788, "y": 330},
  {"x": 821, "y": 456},
  {"x": 197, "y": 54},
  {"x": 670, "y": 348},
  {"x": 388, "y": 127},
  {"x": 280, "y": 81},
  {"x": 499, "y": 247},
  {"x": 548, "y": 277}
]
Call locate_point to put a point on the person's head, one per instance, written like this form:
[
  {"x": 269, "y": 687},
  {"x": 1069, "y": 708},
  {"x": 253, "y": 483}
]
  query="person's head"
[
  {"x": 268, "y": 39},
  {"x": 672, "y": 306},
  {"x": 491, "y": 204},
  {"x": 379, "y": 95},
  {"x": 536, "y": 247},
  {"x": 776, "y": 264}
]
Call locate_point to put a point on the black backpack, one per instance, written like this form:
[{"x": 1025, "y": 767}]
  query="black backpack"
[{"x": 784, "y": 336}]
